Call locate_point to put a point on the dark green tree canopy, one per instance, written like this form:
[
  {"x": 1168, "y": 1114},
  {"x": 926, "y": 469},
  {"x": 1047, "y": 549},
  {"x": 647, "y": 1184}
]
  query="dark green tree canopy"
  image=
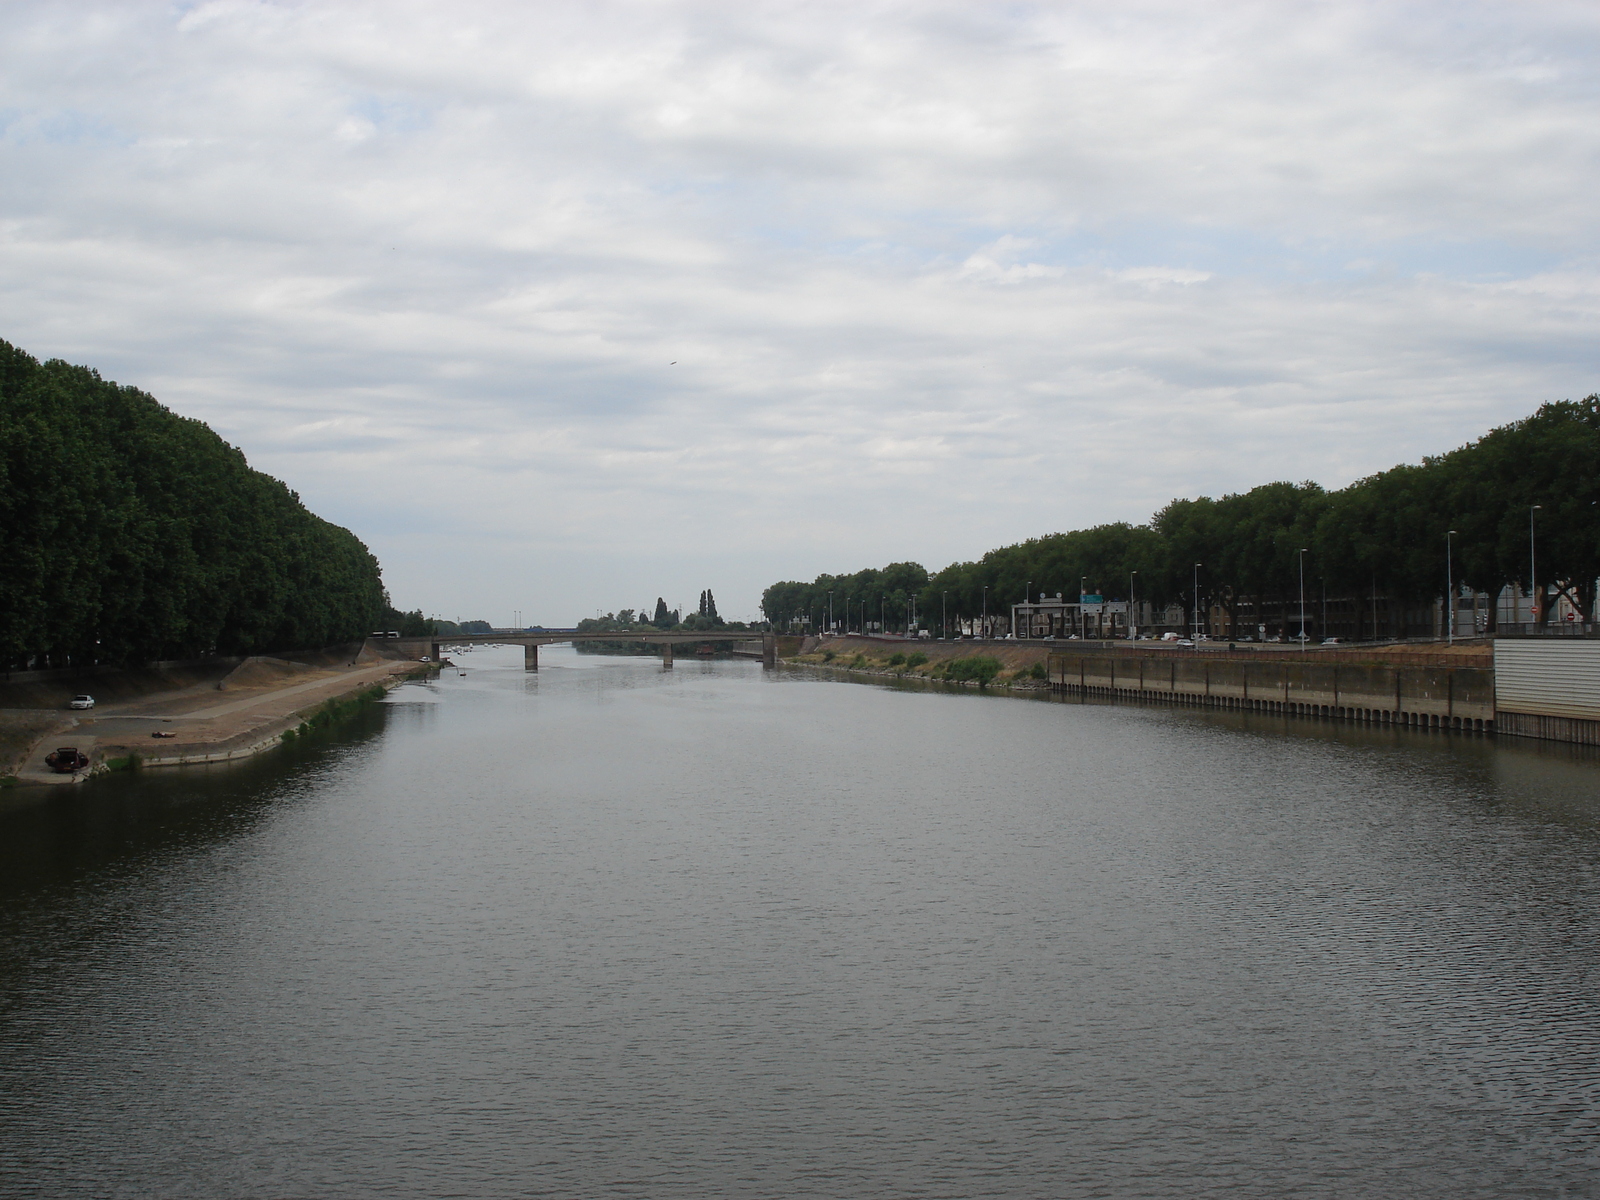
[
  {"x": 1384, "y": 533},
  {"x": 130, "y": 533}
]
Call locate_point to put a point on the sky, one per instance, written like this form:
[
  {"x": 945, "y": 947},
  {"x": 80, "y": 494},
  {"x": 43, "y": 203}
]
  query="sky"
[{"x": 564, "y": 307}]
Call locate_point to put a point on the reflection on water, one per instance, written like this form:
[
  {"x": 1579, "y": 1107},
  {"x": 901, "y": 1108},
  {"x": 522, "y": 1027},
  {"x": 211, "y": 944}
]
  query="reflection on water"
[{"x": 611, "y": 930}]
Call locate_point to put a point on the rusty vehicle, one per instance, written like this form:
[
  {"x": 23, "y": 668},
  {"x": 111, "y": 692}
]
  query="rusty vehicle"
[{"x": 66, "y": 759}]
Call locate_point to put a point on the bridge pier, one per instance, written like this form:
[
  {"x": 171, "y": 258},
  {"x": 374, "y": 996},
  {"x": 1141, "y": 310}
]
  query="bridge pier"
[
  {"x": 666, "y": 654},
  {"x": 437, "y": 657},
  {"x": 769, "y": 650},
  {"x": 530, "y": 657}
]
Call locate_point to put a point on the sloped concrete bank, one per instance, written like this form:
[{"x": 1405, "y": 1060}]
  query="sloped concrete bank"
[
  {"x": 265, "y": 702},
  {"x": 257, "y": 741}
]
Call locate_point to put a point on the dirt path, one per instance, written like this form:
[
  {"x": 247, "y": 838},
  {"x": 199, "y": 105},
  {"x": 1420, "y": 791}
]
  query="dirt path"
[{"x": 188, "y": 725}]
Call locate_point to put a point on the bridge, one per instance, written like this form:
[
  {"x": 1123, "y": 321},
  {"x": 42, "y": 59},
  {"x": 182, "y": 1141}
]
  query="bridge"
[{"x": 530, "y": 642}]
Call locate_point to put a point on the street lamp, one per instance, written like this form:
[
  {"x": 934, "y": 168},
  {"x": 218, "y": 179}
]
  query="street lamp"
[
  {"x": 1131, "y": 623},
  {"x": 883, "y": 617},
  {"x": 984, "y": 628},
  {"x": 1027, "y": 596},
  {"x": 1302, "y": 597},
  {"x": 1533, "y": 568},
  {"x": 944, "y": 633},
  {"x": 1196, "y": 634},
  {"x": 830, "y": 612},
  {"x": 1450, "y": 589}
]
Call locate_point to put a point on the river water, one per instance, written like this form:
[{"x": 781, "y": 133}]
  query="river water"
[{"x": 614, "y": 931}]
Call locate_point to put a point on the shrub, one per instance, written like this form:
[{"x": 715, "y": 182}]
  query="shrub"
[
  {"x": 1039, "y": 672},
  {"x": 980, "y": 668},
  {"x": 897, "y": 660},
  {"x": 859, "y": 661},
  {"x": 917, "y": 659},
  {"x": 827, "y": 656}
]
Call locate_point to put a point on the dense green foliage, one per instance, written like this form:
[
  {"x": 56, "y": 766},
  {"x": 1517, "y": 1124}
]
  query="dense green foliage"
[
  {"x": 628, "y": 621},
  {"x": 1384, "y": 534},
  {"x": 980, "y": 668},
  {"x": 129, "y": 533}
]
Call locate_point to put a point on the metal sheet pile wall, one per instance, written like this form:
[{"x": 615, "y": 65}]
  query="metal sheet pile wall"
[{"x": 1444, "y": 697}]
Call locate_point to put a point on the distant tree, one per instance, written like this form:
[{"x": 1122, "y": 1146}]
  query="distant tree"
[
  {"x": 1383, "y": 533},
  {"x": 663, "y": 619}
]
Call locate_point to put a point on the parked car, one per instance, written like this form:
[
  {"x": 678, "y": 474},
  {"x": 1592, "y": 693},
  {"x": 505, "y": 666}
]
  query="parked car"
[
  {"x": 1185, "y": 641},
  {"x": 1333, "y": 641},
  {"x": 81, "y": 702}
]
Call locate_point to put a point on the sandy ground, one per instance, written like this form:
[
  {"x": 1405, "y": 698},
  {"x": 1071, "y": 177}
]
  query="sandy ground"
[{"x": 208, "y": 721}]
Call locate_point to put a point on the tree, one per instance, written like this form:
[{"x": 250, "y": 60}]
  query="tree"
[
  {"x": 1383, "y": 533},
  {"x": 130, "y": 533}
]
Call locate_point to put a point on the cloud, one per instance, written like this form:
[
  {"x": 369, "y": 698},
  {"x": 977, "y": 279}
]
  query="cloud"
[{"x": 934, "y": 277}]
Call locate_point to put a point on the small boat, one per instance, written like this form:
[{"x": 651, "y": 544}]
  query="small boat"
[
  {"x": 705, "y": 650},
  {"x": 65, "y": 759}
]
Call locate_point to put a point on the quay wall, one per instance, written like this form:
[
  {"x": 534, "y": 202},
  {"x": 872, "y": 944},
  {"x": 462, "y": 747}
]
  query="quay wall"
[{"x": 1433, "y": 696}]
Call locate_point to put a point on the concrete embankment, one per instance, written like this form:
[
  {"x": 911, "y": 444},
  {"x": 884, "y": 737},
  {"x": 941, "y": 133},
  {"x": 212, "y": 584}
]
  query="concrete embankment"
[
  {"x": 1446, "y": 697},
  {"x": 1408, "y": 684},
  {"x": 229, "y": 712}
]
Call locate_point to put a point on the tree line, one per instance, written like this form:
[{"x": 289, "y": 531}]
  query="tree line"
[
  {"x": 1524, "y": 499},
  {"x": 129, "y": 533},
  {"x": 630, "y": 620}
]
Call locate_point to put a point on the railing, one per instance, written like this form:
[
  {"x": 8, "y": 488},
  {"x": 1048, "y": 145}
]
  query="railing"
[
  {"x": 1553, "y": 629},
  {"x": 1386, "y": 653}
]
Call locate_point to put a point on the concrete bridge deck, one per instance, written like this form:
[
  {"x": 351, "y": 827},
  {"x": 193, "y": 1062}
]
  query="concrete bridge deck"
[{"x": 530, "y": 642}]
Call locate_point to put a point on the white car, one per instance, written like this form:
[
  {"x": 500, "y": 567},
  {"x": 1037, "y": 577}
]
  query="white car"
[{"x": 81, "y": 702}]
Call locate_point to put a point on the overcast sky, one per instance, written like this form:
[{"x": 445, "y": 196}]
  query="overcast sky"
[{"x": 562, "y": 307}]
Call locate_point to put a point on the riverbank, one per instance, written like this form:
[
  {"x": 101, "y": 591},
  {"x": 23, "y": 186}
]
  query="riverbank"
[
  {"x": 1024, "y": 665},
  {"x": 246, "y": 711}
]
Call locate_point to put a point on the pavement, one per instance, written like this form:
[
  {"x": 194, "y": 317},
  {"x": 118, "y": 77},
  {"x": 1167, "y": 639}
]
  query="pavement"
[{"x": 200, "y": 726}]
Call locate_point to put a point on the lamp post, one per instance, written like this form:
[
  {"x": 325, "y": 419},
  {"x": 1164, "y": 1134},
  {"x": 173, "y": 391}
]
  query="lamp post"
[
  {"x": 1027, "y": 596},
  {"x": 1450, "y": 589},
  {"x": 1533, "y": 569},
  {"x": 944, "y": 633},
  {"x": 1196, "y": 634},
  {"x": 1302, "y": 597},
  {"x": 1131, "y": 622},
  {"x": 830, "y": 612},
  {"x": 883, "y": 615},
  {"x": 983, "y": 630}
]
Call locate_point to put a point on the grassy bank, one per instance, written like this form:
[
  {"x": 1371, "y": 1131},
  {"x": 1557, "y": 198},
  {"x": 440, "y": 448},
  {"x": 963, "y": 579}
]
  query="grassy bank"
[
  {"x": 335, "y": 712},
  {"x": 990, "y": 666}
]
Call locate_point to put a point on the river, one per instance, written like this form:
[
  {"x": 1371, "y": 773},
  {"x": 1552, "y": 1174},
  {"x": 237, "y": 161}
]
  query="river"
[{"x": 609, "y": 930}]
